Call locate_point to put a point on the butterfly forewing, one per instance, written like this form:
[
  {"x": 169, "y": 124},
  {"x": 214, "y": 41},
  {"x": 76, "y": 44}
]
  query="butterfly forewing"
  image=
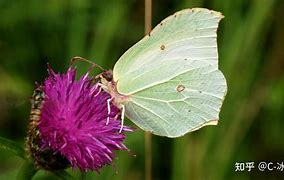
[{"x": 184, "y": 37}]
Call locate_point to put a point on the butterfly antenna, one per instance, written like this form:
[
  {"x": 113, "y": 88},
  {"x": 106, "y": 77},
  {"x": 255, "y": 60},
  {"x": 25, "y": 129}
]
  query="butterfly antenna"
[{"x": 78, "y": 58}]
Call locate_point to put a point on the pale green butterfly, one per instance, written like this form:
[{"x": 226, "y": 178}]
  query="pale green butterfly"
[{"x": 169, "y": 83}]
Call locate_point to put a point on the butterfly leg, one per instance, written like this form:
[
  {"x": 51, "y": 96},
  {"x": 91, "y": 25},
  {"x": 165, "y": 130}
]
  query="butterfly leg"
[
  {"x": 122, "y": 117},
  {"x": 108, "y": 110},
  {"x": 99, "y": 91}
]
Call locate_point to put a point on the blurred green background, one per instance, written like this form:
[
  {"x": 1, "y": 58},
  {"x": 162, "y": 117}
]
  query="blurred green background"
[{"x": 251, "y": 48}]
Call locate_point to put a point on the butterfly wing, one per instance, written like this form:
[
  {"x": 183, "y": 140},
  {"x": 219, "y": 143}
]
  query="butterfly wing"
[{"x": 181, "y": 52}]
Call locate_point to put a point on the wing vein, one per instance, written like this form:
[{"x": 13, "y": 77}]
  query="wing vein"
[
  {"x": 199, "y": 110},
  {"x": 157, "y": 115},
  {"x": 181, "y": 114},
  {"x": 166, "y": 80}
]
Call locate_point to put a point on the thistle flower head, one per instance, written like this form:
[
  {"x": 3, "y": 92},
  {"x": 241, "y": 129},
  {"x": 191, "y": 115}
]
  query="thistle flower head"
[{"x": 73, "y": 121}]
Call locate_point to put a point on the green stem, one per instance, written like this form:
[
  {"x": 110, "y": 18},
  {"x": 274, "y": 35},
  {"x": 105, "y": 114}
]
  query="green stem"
[{"x": 148, "y": 136}]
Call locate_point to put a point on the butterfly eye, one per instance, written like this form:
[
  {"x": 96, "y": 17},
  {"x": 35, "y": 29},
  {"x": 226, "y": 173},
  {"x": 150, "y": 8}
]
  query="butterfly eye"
[{"x": 107, "y": 75}]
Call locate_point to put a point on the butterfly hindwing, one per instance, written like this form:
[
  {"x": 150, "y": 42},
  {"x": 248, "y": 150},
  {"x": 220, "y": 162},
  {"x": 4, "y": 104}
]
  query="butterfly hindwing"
[{"x": 191, "y": 100}]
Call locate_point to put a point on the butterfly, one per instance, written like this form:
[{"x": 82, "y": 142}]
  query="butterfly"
[{"x": 169, "y": 83}]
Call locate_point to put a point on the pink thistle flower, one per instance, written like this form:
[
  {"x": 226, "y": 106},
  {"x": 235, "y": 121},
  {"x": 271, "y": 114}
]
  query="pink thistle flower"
[{"x": 73, "y": 122}]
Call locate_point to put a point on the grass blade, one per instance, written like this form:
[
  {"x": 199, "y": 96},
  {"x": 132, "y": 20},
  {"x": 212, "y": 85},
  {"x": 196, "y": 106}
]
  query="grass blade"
[{"x": 12, "y": 146}]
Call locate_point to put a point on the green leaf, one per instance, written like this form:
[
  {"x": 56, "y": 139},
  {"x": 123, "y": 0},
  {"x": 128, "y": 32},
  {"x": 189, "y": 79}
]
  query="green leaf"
[
  {"x": 27, "y": 171},
  {"x": 12, "y": 146}
]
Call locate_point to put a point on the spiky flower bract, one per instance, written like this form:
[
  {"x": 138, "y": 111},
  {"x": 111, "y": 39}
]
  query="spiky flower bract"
[{"x": 73, "y": 121}]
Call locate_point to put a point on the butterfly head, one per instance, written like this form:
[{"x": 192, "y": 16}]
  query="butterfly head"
[
  {"x": 106, "y": 81},
  {"x": 110, "y": 86},
  {"x": 107, "y": 75}
]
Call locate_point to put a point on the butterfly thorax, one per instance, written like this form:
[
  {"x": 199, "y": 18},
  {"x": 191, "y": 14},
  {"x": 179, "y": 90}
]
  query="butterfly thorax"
[{"x": 110, "y": 86}]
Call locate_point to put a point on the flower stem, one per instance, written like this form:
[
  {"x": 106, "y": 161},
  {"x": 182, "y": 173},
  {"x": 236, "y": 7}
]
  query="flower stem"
[{"x": 148, "y": 138}]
